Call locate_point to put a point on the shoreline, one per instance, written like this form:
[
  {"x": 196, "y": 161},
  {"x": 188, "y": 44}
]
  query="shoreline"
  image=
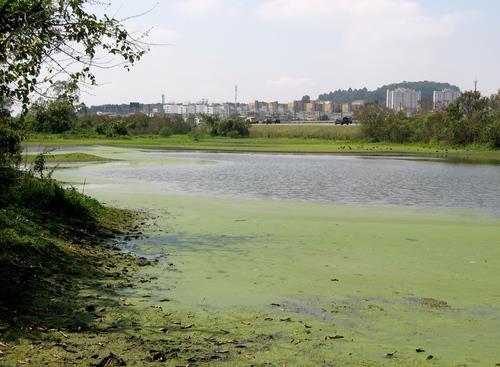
[{"x": 298, "y": 146}]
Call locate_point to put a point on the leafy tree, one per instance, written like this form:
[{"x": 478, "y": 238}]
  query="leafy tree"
[
  {"x": 10, "y": 144},
  {"x": 467, "y": 117},
  {"x": 54, "y": 117},
  {"x": 430, "y": 127},
  {"x": 372, "y": 117},
  {"x": 495, "y": 101},
  {"x": 469, "y": 103},
  {"x": 210, "y": 120},
  {"x": 44, "y": 39},
  {"x": 492, "y": 134}
]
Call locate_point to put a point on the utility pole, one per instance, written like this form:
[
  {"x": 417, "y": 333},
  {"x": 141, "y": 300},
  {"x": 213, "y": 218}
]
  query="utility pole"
[{"x": 235, "y": 99}]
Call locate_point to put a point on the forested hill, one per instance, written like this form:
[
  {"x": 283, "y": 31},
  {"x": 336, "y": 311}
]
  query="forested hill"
[{"x": 349, "y": 95}]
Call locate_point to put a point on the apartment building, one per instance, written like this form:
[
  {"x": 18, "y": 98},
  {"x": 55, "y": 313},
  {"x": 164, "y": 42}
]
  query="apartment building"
[
  {"x": 403, "y": 99},
  {"x": 442, "y": 98}
]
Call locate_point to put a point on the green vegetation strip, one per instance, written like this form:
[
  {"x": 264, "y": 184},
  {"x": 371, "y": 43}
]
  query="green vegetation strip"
[
  {"x": 69, "y": 158},
  {"x": 472, "y": 153}
]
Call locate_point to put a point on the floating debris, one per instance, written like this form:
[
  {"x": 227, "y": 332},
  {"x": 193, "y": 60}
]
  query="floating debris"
[
  {"x": 90, "y": 308},
  {"x": 334, "y": 337},
  {"x": 156, "y": 356},
  {"x": 111, "y": 360}
]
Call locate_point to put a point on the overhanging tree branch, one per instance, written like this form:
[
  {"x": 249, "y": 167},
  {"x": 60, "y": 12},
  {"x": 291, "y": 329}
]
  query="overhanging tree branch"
[{"x": 36, "y": 33}]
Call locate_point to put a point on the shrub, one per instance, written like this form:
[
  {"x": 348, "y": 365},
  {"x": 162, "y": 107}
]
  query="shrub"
[
  {"x": 165, "y": 131},
  {"x": 397, "y": 129},
  {"x": 460, "y": 131},
  {"x": 199, "y": 131},
  {"x": 492, "y": 134},
  {"x": 372, "y": 118},
  {"x": 429, "y": 128},
  {"x": 176, "y": 126},
  {"x": 101, "y": 129},
  {"x": 10, "y": 144},
  {"x": 234, "y": 127},
  {"x": 118, "y": 128}
]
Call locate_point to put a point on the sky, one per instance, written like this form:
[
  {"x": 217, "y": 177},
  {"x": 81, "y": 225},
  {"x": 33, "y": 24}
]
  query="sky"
[{"x": 283, "y": 49}]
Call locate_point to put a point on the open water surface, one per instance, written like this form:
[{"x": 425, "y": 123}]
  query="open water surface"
[{"x": 319, "y": 178}]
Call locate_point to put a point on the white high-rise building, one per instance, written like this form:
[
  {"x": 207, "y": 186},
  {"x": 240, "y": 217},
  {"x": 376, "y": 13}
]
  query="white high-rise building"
[
  {"x": 443, "y": 98},
  {"x": 403, "y": 99}
]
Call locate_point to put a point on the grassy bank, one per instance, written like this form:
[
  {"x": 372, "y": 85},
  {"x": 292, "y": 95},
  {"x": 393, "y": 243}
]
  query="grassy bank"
[
  {"x": 277, "y": 144},
  {"x": 68, "y": 158},
  {"x": 63, "y": 286},
  {"x": 53, "y": 271}
]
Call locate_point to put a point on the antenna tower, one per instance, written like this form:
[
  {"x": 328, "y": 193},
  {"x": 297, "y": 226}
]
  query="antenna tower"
[
  {"x": 235, "y": 94},
  {"x": 475, "y": 85}
]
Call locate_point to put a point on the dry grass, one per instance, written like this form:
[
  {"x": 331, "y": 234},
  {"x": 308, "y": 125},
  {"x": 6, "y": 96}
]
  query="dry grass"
[{"x": 331, "y": 132}]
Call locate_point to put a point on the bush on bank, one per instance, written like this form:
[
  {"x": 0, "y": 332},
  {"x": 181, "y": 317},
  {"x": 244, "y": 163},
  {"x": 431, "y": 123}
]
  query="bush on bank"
[
  {"x": 471, "y": 119},
  {"x": 60, "y": 117}
]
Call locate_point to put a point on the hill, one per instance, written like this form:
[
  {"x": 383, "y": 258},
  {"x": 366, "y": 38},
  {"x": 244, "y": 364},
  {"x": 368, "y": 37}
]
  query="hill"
[{"x": 346, "y": 96}]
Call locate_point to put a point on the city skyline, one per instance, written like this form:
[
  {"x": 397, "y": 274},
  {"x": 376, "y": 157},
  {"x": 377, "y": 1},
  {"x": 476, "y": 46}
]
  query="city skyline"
[
  {"x": 281, "y": 49},
  {"x": 164, "y": 100},
  {"x": 398, "y": 98}
]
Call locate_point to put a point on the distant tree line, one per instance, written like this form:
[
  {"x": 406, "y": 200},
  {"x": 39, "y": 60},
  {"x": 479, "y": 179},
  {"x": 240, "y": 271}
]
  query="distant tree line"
[
  {"x": 347, "y": 96},
  {"x": 118, "y": 109},
  {"x": 60, "y": 117},
  {"x": 471, "y": 119}
]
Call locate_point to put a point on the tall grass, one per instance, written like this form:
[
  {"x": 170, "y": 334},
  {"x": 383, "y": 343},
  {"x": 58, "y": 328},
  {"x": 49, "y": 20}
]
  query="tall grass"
[{"x": 328, "y": 132}]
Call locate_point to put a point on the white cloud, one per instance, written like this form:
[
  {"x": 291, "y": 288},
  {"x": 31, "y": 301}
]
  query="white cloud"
[
  {"x": 365, "y": 20},
  {"x": 162, "y": 36},
  {"x": 370, "y": 39},
  {"x": 199, "y": 7},
  {"x": 286, "y": 81}
]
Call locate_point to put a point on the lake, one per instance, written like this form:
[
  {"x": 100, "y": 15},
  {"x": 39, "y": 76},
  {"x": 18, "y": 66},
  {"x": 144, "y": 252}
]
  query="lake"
[
  {"x": 390, "y": 253},
  {"x": 394, "y": 181}
]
